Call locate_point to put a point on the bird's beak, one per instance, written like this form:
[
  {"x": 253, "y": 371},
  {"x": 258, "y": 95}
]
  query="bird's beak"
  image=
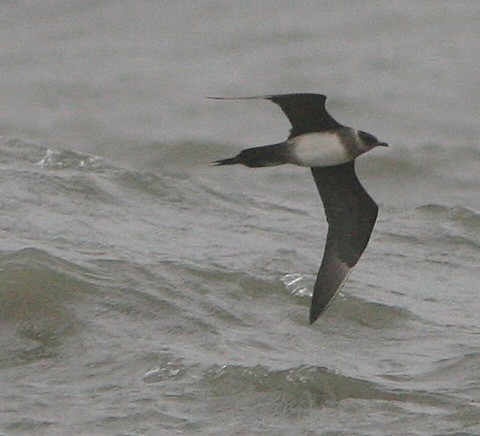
[{"x": 382, "y": 144}]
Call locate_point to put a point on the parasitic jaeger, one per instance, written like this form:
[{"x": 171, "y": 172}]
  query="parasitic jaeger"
[{"x": 318, "y": 141}]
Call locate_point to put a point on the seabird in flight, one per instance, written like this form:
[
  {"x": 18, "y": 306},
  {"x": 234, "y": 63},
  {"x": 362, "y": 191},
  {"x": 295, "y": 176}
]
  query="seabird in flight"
[{"x": 318, "y": 141}]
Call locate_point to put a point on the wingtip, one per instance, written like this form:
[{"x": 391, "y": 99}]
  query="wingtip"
[
  {"x": 260, "y": 97},
  {"x": 316, "y": 310},
  {"x": 313, "y": 317},
  {"x": 271, "y": 97},
  {"x": 211, "y": 97}
]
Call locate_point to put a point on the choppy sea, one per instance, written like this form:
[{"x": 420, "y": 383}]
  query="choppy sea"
[{"x": 145, "y": 292}]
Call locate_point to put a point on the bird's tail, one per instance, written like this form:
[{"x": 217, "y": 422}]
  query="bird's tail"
[{"x": 267, "y": 155}]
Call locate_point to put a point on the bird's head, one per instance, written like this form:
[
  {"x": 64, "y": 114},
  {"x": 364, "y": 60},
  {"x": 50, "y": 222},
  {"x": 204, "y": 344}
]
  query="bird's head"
[{"x": 368, "y": 141}]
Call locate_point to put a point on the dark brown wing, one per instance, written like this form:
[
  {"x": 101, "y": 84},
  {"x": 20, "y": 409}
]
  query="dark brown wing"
[
  {"x": 351, "y": 214},
  {"x": 306, "y": 112}
]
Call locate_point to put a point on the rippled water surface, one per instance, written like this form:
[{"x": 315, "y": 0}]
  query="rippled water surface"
[{"x": 143, "y": 291}]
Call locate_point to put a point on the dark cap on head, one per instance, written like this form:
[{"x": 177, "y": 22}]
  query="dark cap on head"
[{"x": 371, "y": 140}]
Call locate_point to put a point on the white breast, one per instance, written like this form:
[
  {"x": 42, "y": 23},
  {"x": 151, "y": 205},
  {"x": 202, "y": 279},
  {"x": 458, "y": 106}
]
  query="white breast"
[{"x": 319, "y": 150}]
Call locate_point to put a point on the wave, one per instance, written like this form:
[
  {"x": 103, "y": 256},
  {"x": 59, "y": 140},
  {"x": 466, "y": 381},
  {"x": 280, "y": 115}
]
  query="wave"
[
  {"x": 37, "y": 296},
  {"x": 63, "y": 172},
  {"x": 35, "y": 284},
  {"x": 462, "y": 216},
  {"x": 181, "y": 174},
  {"x": 460, "y": 371},
  {"x": 301, "y": 388},
  {"x": 427, "y": 161},
  {"x": 441, "y": 227},
  {"x": 17, "y": 150}
]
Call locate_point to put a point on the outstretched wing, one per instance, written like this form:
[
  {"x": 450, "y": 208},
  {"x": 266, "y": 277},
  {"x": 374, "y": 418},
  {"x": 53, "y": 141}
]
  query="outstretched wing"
[
  {"x": 306, "y": 112},
  {"x": 351, "y": 214}
]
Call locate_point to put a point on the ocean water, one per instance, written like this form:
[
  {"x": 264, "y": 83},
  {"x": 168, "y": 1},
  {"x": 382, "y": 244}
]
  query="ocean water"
[{"x": 143, "y": 291}]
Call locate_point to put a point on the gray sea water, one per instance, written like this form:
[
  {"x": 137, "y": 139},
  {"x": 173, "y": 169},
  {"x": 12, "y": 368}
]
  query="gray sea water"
[{"x": 143, "y": 291}]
